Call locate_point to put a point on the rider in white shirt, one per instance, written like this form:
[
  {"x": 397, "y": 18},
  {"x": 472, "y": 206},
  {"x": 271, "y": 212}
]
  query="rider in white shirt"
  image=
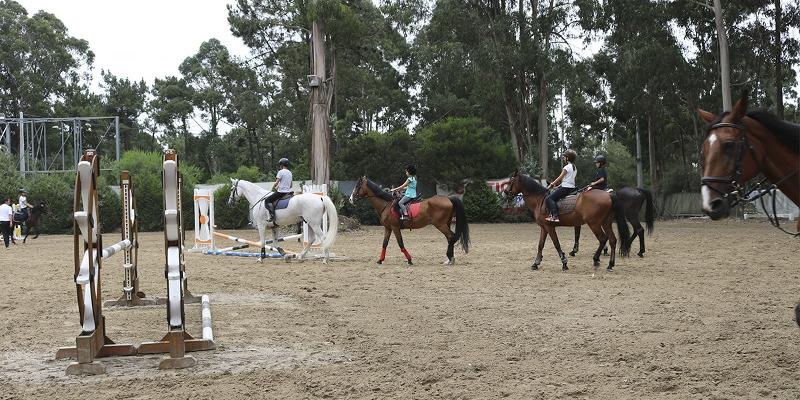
[
  {"x": 282, "y": 186},
  {"x": 23, "y": 203},
  {"x": 567, "y": 180}
]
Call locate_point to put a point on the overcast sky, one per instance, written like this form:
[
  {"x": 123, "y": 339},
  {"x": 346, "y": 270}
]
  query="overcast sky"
[
  {"x": 143, "y": 38},
  {"x": 149, "y": 39}
]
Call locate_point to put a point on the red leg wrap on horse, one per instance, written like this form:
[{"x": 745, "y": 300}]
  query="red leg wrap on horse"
[
  {"x": 383, "y": 254},
  {"x": 408, "y": 255}
]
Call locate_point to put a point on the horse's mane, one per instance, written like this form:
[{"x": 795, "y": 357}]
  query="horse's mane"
[
  {"x": 786, "y": 132},
  {"x": 378, "y": 191},
  {"x": 530, "y": 185}
]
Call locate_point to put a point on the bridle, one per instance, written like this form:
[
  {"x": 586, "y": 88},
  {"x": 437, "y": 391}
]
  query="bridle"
[
  {"x": 739, "y": 194},
  {"x": 734, "y": 177},
  {"x": 234, "y": 197}
]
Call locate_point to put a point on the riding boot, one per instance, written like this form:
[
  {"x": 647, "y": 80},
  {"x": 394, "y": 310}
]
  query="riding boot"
[{"x": 271, "y": 210}]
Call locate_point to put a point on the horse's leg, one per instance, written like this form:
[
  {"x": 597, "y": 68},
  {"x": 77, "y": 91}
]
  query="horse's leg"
[
  {"x": 554, "y": 236},
  {"x": 261, "y": 240},
  {"x": 542, "y": 240},
  {"x": 602, "y": 238},
  {"x": 27, "y": 233},
  {"x": 450, "y": 236},
  {"x": 398, "y": 234},
  {"x": 387, "y": 234},
  {"x": 612, "y": 241},
  {"x": 316, "y": 230},
  {"x": 638, "y": 230},
  {"x": 577, "y": 239}
]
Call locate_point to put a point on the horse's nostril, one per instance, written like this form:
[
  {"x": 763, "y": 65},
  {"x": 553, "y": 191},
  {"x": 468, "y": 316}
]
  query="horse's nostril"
[{"x": 716, "y": 203}]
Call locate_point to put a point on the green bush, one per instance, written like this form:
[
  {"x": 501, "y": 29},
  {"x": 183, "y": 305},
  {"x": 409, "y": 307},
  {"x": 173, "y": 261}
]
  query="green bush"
[
  {"x": 251, "y": 174},
  {"x": 146, "y": 168},
  {"x": 230, "y": 217},
  {"x": 481, "y": 203}
]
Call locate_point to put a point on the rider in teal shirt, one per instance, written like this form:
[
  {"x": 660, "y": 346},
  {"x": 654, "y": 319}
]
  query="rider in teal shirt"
[{"x": 411, "y": 190}]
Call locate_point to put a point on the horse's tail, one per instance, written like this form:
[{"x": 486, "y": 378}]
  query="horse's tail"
[
  {"x": 462, "y": 227},
  {"x": 622, "y": 225},
  {"x": 333, "y": 223},
  {"x": 649, "y": 209}
]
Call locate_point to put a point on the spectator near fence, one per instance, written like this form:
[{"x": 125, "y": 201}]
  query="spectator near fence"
[{"x": 6, "y": 216}]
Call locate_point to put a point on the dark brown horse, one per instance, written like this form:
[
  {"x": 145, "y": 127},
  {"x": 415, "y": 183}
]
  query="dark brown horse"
[
  {"x": 632, "y": 199},
  {"x": 32, "y": 222},
  {"x": 437, "y": 210},
  {"x": 739, "y": 145},
  {"x": 596, "y": 208}
]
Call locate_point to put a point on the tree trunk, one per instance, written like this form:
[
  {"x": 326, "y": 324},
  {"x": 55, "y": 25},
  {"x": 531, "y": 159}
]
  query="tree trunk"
[
  {"x": 639, "y": 174},
  {"x": 778, "y": 53},
  {"x": 651, "y": 149},
  {"x": 724, "y": 63},
  {"x": 544, "y": 155},
  {"x": 320, "y": 138}
]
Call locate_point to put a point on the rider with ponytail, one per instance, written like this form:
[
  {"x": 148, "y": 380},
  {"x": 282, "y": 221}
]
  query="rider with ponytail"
[{"x": 567, "y": 181}]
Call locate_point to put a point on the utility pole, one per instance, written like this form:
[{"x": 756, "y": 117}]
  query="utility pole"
[
  {"x": 320, "y": 134},
  {"x": 724, "y": 62},
  {"x": 21, "y": 145}
]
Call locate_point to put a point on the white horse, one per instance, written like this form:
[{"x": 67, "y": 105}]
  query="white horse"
[{"x": 308, "y": 207}]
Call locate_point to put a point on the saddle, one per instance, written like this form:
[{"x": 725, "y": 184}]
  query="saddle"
[
  {"x": 20, "y": 217},
  {"x": 565, "y": 205},
  {"x": 413, "y": 206},
  {"x": 281, "y": 203}
]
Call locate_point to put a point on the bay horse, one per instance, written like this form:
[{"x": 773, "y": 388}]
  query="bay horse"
[
  {"x": 308, "y": 207},
  {"x": 596, "y": 208},
  {"x": 437, "y": 211},
  {"x": 738, "y": 146},
  {"x": 32, "y": 222},
  {"x": 633, "y": 199}
]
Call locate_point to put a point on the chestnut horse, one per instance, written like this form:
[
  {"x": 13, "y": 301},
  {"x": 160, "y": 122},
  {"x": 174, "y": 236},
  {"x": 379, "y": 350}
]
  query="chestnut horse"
[
  {"x": 437, "y": 210},
  {"x": 596, "y": 208},
  {"x": 738, "y": 146}
]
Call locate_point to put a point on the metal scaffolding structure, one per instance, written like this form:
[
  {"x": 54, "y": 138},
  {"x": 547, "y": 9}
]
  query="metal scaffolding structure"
[{"x": 56, "y": 144}]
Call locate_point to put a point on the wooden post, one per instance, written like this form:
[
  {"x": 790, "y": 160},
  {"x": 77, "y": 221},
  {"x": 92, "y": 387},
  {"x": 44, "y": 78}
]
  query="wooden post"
[
  {"x": 320, "y": 134},
  {"x": 724, "y": 61}
]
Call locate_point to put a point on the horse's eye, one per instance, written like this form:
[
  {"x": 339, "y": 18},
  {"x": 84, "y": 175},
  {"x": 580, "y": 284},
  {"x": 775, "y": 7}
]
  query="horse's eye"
[{"x": 728, "y": 146}]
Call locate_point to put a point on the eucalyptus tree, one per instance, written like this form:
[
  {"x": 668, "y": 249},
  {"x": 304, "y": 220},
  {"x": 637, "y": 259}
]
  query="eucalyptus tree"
[{"x": 40, "y": 63}]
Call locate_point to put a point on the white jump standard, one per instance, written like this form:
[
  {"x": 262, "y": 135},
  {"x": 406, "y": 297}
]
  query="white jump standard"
[
  {"x": 177, "y": 341},
  {"x": 89, "y": 253},
  {"x": 131, "y": 295}
]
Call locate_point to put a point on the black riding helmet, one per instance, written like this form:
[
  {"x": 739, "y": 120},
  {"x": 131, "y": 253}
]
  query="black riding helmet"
[
  {"x": 284, "y": 162},
  {"x": 600, "y": 158}
]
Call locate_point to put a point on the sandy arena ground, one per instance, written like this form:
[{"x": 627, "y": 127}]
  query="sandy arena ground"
[{"x": 706, "y": 314}]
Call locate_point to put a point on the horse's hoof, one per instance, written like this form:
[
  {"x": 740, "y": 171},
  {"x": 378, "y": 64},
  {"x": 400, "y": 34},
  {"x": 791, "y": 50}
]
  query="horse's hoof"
[
  {"x": 379, "y": 262},
  {"x": 260, "y": 260},
  {"x": 572, "y": 253},
  {"x": 610, "y": 269},
  {"x": 535, "y": 267},
  {"x": 564, "y": 268},
  {"x": 641, "y": 255},
  {"x": 596, "y": 263},
  {"x": 409, "y": 262},
  {"x": 450, "y": 261}
]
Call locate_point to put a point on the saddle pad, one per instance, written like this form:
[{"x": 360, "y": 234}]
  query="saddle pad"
[
  {"x": 413, "y": 210},
  {"x": 565, "y": 205},
  {"x": 282, "y": 203}
]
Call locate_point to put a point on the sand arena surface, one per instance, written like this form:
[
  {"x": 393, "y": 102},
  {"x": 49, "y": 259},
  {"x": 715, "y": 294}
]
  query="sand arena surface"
[{"x": 706, "y": 314}]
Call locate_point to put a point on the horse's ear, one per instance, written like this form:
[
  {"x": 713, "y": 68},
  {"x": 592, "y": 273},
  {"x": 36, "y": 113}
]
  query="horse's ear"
[
  {"x": 233, "y": 180},
  {"x": 740, "y": 108},
  {"x": 705, "y": 115}
]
